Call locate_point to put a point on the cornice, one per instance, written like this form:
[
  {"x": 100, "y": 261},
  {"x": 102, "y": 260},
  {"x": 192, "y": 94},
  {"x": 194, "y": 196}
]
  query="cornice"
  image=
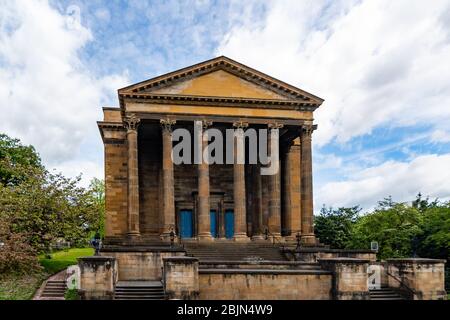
[
  {"x": 217, "y": 101},
  {"x": 227, "y": 64}
]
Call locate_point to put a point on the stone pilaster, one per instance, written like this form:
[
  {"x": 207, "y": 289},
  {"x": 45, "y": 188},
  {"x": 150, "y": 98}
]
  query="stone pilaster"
[
  {"x": 307, "y": 186},
  {"x": 274, "y": 223},
  {"x": 240, "y": 228},
  {"x": 168, "y": 217},
  {"x": 131, "y": 124},
  {"x": 204, "y": 223}
]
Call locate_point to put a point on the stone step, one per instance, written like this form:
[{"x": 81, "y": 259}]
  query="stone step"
[
  {"x": 139, "y": 290},
  {"x": 140, "y": 298},
  {"x": 54, "y": 290},
  {"x": 384, "y": 293},
  {"x": 52, "y": 295},
  {"x": 149, "y": 289}
]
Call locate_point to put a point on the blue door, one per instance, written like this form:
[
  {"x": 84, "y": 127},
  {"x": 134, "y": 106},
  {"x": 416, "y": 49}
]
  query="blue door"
[
  {"x": 186, "y": 230},
  {"x": 213, "y": 221},
  {"x": 229, "y": 224}
]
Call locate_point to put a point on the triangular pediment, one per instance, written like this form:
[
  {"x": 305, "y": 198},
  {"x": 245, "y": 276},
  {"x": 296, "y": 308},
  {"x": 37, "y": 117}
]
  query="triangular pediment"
[
  {"x": 221, "y": 77},
  {"x": 219, "y": 83}
]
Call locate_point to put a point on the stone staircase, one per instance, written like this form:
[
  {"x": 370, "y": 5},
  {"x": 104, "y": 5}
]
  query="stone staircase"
[
  {"x": 139, "y": 290},
  {"x": 233, "y": 251},
  {"x": 54, "y": 289},
  {"x": 385, "y": 293}
]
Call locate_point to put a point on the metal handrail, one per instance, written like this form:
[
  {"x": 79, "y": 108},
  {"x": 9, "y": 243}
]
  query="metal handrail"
[{"x": 411, "y": 291}]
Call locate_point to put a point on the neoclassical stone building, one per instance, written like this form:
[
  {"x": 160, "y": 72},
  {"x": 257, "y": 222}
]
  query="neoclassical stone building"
[
  {"x": 225, "y": 230},
  {"x": 147, "y": 196}
]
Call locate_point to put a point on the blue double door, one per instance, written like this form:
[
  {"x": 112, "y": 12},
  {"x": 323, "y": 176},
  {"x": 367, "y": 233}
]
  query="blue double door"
[{"x": 187, "y": 223}]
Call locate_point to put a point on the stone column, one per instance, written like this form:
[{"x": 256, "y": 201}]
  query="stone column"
[
  {"x": 131, "y": 124},
  {"x": 168, "y": 179},
  {"x": 258, "y": 229},
  {"x": 274, "y": 223},
  {"x": 204, "y": 219},
  {"x": 240, "y": 228},
  {"x": 307, "y": 186},
  {"x": 286, "y": 187},
  {"x": 295, "y": 183}
]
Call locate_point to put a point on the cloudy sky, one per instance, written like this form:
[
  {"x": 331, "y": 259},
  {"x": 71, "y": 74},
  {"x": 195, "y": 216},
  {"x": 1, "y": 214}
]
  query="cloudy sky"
[{"x": 382, "y": 66}]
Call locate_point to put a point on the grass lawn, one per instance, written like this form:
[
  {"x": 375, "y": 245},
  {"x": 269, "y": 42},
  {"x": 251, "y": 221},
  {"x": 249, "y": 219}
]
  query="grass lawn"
[
  {"x": 20, "y": 287},
  {"x": 23, "y": 287},
  {"x": 64, "y": 258}
]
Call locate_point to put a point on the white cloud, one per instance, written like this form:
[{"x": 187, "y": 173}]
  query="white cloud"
[
  {"x": 427, "y": 174},
  {"x": 440, "y": 136},
  {"x": 375, "y": 62},
  {"x": 48, "y": 97}
]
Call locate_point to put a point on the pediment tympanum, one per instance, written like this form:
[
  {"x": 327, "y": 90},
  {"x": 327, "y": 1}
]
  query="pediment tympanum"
[{"x": 218, "y": 83}]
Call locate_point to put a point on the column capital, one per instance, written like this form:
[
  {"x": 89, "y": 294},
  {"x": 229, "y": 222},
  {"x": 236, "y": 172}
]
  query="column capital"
[
  {"x": 275, "y": 125},
  {"x": 307, "y": 130},
  {"x": 206, "y": 124},
  {"x": 131, "y": 122},
  {"x": 167, "y": 124},
  {"x": 240, "y": 124}
]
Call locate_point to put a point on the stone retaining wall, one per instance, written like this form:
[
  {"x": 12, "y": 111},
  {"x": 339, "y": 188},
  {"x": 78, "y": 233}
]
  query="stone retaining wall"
[{"x": 264, "y": 285}]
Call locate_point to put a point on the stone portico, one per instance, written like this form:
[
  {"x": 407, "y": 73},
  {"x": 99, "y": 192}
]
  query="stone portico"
[
  {"x": 224, "y": 230},
  {"x": 147, "y": 196}
]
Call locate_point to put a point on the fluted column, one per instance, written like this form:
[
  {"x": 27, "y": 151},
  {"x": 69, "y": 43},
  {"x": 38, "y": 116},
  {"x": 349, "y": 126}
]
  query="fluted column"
[
  {"x": 307, "y": 186},
  {"x": 131, "y": 124},
  {"x": 204, "y": 219},
  {"x": 168, "y": 218},
  {"x": 240, "y": 228},
  {"x": 274, "y": 223}
]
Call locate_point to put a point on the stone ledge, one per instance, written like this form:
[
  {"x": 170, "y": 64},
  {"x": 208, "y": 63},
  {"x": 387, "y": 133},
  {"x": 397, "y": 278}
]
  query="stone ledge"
[
  {"x": 415, "y": 260},
  {"x": 181, "y": 259},
  {"x": 141, "y": 249},
  {"x": 328, "y": 250},
  {"x": 343, "y": 260},
  {"x": 263, "y": 271},
  {"x": 257, "y": 262},
  {"x": 96, "y": 259}
]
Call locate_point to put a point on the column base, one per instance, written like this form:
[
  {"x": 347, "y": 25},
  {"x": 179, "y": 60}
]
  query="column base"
[
  {"x": 241, "y": 237},
  {"x": 308, "y": 239},
  {"x": 205, "y": 237},
  {"x": 291, "y": 238},
  {"x": 258, "y": 237},
  {"x": 133, "y": 235},
  {"x": 165, "y": 236}
]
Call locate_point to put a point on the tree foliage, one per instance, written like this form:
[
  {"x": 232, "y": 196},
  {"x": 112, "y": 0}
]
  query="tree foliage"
[
  {"x": 43, "y": 207},
  {"x": 14, "y": 157},
  {"x": 334, "y": 226},
  {"x": 420, "y": 228}
]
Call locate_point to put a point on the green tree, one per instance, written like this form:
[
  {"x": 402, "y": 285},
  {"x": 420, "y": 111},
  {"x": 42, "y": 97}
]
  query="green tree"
[
  {"x": 434, "y": 236},
  {"x": 334, "y": 226},
  {"x": 97, "y": 193},
  {"x": 392, "y": 225},
  {"x": 46, "y": 207},
  {"x": 14, "y": 158}
]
